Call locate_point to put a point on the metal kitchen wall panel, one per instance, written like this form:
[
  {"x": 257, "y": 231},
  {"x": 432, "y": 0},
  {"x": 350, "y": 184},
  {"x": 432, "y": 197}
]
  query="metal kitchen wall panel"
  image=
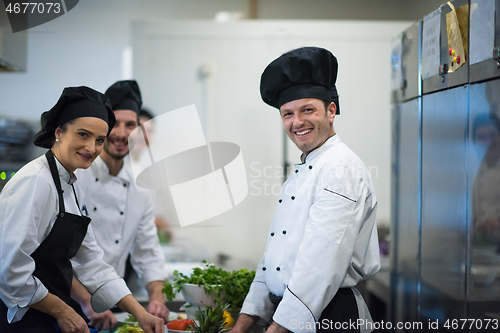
[
  {"x": 444, "y": 223},
  {"x": 406, "y": 80},
  {"x": 484, "y": 60},
  {"x": 436, "y": 63},
  {"x": 406, "y": 210},
  {"x": 483, "y": 287}
]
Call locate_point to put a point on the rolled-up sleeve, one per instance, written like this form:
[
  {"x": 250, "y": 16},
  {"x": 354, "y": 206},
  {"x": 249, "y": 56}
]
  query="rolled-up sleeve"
[{"x": 99, "y": 278}]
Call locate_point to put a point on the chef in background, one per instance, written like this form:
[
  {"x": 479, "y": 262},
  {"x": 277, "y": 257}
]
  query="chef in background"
[
  {"x": 323, "y": 236},
  {"x": 122, "y": 213},
  {"x": 486, "y": 188},
  {"x": 45, "y": 237}
]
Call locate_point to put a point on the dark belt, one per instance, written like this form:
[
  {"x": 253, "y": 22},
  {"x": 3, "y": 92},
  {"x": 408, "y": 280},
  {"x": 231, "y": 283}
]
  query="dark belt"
[{"x": 275, "y": 299}]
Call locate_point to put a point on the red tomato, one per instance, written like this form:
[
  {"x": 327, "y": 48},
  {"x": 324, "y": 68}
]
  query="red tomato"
[{"x": 179, "y": 324}]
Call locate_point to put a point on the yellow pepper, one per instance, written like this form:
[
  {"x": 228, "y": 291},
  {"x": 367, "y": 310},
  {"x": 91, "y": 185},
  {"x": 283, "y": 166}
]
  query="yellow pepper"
[{"x": 228, "y": 319}]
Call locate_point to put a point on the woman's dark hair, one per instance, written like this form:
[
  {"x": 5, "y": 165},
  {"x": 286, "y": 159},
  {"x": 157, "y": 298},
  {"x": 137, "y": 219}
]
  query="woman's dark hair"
[{"x": 64, "y": 127}]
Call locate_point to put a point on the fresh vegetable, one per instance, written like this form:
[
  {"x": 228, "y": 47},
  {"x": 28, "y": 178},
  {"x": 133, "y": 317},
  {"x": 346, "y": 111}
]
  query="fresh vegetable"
[
  {"x": 211, "y": 320},
  {"x": 228, "y": 319},
  {"x": 131, "y": 318},
  {"x": 236, "y": 284},
  {"x": 129, "y": 328},
  {"x": 180, "y": 324},
  {"x": 210, "y": 277}
]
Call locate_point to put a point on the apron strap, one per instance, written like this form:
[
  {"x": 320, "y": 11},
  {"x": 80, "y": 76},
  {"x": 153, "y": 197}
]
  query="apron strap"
[
  {"x": 76, "y": 199},
  {"x": 57, "y": 181}
]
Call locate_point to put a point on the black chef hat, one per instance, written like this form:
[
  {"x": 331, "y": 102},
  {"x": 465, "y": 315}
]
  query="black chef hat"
[
  {"x": 307, "y": 72},
  {"x": 75, "y": 102},
  {"x": 125, "y": 95}
]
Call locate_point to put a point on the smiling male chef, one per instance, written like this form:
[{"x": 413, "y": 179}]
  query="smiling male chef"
[
  {"x": 323, "y": 236},
  {"x": 122, "y": 213}
]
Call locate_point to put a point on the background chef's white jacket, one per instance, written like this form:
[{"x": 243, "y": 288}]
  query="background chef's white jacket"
[
  {"x": 29, "y": 206},
  {"x": 323, "y": 237},
  {"x": 123, "y": 220}
]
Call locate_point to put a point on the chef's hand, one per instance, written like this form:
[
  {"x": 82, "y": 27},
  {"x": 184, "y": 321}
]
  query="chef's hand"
[
  {"x": 150, "y": 323},
  {"x": 156, "y": 305},
  {"x": 72, "y": 322},
  {"x": 68, "y": 320},
  {"x": 158, "y": 309},
  {"x": 102, "y": 321},
  {"x": 244, "y": 323}
]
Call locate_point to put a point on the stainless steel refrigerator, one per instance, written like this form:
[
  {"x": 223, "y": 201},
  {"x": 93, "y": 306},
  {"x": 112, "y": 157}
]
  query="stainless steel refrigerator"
[
  {"x": 446, "y": 176},
  {"x": 406, "y": 129}
]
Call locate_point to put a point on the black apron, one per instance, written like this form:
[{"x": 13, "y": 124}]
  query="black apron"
[
  {"x": 52, "y": 263},
  {"x": 338, "y": 314}
]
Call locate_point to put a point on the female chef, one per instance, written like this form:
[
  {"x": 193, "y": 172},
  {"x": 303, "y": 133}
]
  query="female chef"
[{"x": 45, "y": 238}]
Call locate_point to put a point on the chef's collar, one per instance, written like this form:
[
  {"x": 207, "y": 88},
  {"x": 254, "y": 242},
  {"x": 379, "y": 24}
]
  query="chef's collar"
[
  {"x": 317, "y": 151},
  {"x": 103, "y": 170},
  {"x": 65, "y": 176}
]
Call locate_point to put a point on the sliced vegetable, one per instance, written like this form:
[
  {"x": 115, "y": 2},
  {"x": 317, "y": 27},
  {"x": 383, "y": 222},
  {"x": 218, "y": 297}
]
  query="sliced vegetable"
[
  {"x": 179, "y": 324},
  {"x": 129, "y": 328}
]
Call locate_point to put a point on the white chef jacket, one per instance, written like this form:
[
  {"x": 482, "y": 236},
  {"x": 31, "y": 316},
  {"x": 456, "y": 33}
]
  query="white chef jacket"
[
  {"x": 123, "y": 220},
  {"x": 323, "y": 237},
  {"x": 29, "y": 205}
]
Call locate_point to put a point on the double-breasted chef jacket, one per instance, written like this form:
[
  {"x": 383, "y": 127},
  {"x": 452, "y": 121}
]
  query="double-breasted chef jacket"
[
  {"x": 322, "y": 237},
  {"x": 29, "y": 206},
  {"x": 123, "y": 220}
]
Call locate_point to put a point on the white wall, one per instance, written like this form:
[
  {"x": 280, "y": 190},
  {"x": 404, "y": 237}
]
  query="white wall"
[{"x": 85, "y": 47}]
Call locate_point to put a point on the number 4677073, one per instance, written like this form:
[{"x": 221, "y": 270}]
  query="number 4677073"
[{"x": 33, "y": 7}]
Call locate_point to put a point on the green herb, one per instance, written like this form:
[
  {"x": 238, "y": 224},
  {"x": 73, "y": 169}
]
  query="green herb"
[
  {"x": 236, "y": 284},
  {"x": 131, "y": 318},
  {"x": 210, "y": 277}
]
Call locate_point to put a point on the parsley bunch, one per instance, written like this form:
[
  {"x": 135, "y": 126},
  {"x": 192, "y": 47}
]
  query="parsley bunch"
[{"x": 236, "y": 284}]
